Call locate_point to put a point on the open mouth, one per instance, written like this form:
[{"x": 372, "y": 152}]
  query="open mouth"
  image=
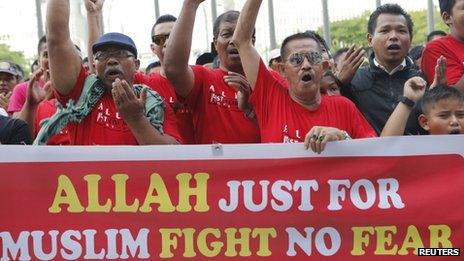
[
  {"x": 233, "y": 51},
  {"x": 394, "y": 47},
  {"x": 307, "y": 78},
  {"x": 456, "y": 131},
  {"x": 113, "y": 73}
]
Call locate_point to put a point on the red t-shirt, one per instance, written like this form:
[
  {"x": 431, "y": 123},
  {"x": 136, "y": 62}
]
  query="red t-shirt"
[
  {"x": 104, "y": 126},
  {"x": 279, "y": 77},
  {"x": 452, "y": 50},
  {"x": 216, "y": 116},
  {"x": 45, "y": 110},
  {"x": 183, "y": 114},
  {"x": 283, "y": 120}
]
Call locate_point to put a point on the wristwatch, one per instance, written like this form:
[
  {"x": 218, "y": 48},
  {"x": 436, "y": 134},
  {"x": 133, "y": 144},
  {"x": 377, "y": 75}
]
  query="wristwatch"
[{"x": 408, "y": 102}]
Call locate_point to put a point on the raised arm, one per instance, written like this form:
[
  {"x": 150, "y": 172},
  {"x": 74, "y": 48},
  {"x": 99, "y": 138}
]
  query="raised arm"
[
  {"x": 414, "y": 89},
  {"x": 178, "y": 49},
  {"x": 132, "y": 109},
  {"x": 350, "y": 65},
  {"x": 243, "y": 40},
  {"x": 94, "y": 18},
  {"x": 64, "y": 60},
  {"x": 34, "y": 96}
]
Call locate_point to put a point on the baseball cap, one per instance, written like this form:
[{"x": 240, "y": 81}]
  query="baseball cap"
[
  {"x": 9, "y": 67},
  {"x": 115, "y": 39},
  {"x": 274, "y": 54}
]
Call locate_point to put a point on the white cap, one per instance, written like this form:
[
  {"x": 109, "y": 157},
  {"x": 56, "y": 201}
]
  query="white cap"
[{"x": 274, "y": 54}]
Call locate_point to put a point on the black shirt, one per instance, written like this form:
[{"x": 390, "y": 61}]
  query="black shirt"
[
  {"x": 14, "y": 131},
  {"x": 376, "y": 94}
]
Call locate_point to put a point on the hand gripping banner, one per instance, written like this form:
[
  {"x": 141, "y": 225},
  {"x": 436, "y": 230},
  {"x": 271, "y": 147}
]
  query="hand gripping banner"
[{"x": 374, "y": 199}]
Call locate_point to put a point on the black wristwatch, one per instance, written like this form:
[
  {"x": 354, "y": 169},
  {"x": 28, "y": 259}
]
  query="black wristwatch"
[{"x": 408, "y": 102}]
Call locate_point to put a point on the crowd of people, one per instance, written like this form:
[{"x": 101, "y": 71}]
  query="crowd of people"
[{"x": 304, "y": 93}]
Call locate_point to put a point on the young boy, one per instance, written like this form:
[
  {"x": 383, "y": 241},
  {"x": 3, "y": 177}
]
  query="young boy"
[
  {"x": 329, "y": 84},
  {"x": 442, "y": 110}
]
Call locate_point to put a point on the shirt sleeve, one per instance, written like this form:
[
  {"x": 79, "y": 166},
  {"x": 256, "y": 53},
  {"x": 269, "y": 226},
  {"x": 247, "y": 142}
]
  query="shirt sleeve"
[
  {"x": 265, "y": 87},
  {"x": 433, "y": 51},
  {"x": 76, "y": 91},
  {"x": 15, "y": 131},
  {"x": 191, "y": 99},
  {"x": 18, "y": 98},
  {"x": 21, "y": 133}
]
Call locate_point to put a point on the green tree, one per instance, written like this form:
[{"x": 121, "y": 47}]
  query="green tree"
[
  {"x": 353, "y": 31},
  {"x": 17, "y": 57},
  {"x": 420, "y": 26}
]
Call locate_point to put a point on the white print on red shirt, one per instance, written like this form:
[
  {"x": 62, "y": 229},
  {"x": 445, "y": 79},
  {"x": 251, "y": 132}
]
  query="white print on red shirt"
[
  {"x": 220, "y": 99},
  {"x": 179, "y": 107},
  {"x": 109, "y": 119},
  {"x": 290, "y": 139}
]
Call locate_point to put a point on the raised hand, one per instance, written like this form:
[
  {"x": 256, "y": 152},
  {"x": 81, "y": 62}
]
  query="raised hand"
[
  {"x": 350, "y": 64},
  {"x": 440, "y": 73},
  {"x": 35, "y": 94},
  {"x": 414, "y": 88},
  {"x": 318, "y": 136},
  {"x": 5, "y": 100},
  {"x": 130, "y": 107},
  {"x": 94, "y": 6},
  {"x": 240, "y": 83}
]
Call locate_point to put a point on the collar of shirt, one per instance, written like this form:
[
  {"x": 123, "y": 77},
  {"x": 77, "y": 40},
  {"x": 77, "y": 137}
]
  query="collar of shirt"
[
  {"x": 3, "y": 112},
  {"x": 396, "y": 69}
]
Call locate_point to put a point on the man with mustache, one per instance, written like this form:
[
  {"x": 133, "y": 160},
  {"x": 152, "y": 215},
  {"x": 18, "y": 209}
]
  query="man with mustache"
[
  {"x": 376, "y": 89},
  {"x": 106, "y": 109},
  {"x": 216, "y": 113},
  {"x": 301, "y": 113}
]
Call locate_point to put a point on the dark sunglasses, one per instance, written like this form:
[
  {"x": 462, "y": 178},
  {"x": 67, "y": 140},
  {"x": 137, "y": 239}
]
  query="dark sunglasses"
[
  {"x": 297, "y": 59},
  {"x": 160, "y": 39}
]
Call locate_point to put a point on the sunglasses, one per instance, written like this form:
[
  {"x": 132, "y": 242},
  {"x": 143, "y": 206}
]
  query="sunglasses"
[
  {"x": 297, "y": 59},
  {"x": 160, "y": 39},
  {"x": 119, "y": 54}
]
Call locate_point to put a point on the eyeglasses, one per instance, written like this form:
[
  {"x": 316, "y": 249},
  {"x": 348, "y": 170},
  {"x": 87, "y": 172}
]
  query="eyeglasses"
[
  {"x": 297, "y": 59},
  {"x": 118, "y": 54},
  {"x": 160, "y": 39}
]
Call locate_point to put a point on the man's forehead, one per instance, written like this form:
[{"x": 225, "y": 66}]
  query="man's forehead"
[
  {"x": 163, "y": 28},
  {"x": 447, "y": 104},
  {"x": 227, "y": 25},
  {"x": 391, "y": 20},
  {"x": 303, "y": 44},
  {"x": 458, "y": 4},
  {"x": 43, "y": 47}
]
